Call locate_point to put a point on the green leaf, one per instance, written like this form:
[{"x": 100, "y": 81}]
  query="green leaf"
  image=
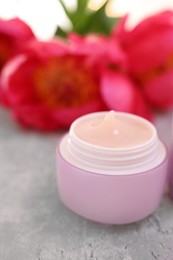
[
  {"x": 68, "y": 13},
  {"x": 73, "y": 16},
  {"x": 81, "y": 5},
  {"x": 61, "y": 33},
  {"x": 86, "y": 21},
  {"x": 95, "y": 22}
]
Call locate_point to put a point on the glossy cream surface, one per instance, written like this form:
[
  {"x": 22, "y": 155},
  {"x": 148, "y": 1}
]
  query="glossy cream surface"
[{"x": 114, "y": 130}]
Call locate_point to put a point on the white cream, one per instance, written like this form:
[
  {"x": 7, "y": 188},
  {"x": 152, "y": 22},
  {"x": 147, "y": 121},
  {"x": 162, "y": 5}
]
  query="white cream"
[{"x": 114, "y": 130}]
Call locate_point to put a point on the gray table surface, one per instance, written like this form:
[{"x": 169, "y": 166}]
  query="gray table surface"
[{"x": 35, "y": 225}]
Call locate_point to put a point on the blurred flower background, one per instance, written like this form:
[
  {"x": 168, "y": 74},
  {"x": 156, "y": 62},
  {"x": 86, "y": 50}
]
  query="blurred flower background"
[
  {"x": 61, "y": 59},
  {"x": 43, "y": 16}
]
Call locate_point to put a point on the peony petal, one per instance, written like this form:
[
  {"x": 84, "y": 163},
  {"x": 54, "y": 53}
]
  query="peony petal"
[
  {"x": 120, "y": 94},
  {"x": 151, "y": 52},
  {"x": 149, "y": 43},
  {"x": 8, "y": 71},
  {"x": 161, "y": 21},
  {"x": 67, "y": 115},
  {"x": 119, "y": 31},
  {"x": 99, "y": 48},
  {"x": 42, "y": 118},
  {"x": 117, "y": 92},
  {"x": 43, "y": 50},
  {"x": 36, "y": 117},
  {"x": 160, "y": 90},
  {"x": 142, "y": 107},
  {"x": 16, "y": 82},
  {"x": 14, "y": 34},
  {"x": 16, "y": 28}
]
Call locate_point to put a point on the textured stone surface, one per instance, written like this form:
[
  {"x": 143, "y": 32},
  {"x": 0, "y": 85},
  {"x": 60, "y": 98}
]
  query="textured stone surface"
[{"x": 34, "y": 225}]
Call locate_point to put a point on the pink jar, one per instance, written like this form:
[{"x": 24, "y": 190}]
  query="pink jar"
[{"x": 111, "y": 185}]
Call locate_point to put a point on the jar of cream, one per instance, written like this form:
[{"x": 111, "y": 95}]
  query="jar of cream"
[{"x": 111, "y": 167}]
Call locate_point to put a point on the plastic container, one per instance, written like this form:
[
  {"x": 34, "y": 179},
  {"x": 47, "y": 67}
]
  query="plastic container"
[{"x": 111, "y": 185}]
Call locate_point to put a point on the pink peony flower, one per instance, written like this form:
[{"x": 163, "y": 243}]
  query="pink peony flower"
[
  {"x": 149, "y": 48},
  {"x": 49, "y": 85},
  {"x": 13, "y": 35},
  {"x": 118, "y": 91},
  {"x": 103, "y": 51},
  {"x": 121, "y": 94}
]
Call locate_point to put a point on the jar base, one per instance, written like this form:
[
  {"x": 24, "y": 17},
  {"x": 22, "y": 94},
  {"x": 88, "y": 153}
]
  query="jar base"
[{"x": 110, "y": 199}]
